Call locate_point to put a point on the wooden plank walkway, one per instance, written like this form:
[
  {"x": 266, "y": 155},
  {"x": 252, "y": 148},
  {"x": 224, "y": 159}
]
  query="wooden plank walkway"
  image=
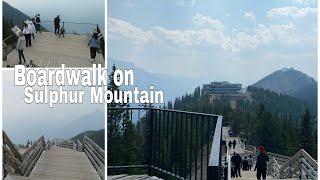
[
  {"x": 49, "y": 50},
  {"x": 61, "y": 164}
]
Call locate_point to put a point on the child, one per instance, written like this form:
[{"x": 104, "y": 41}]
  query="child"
[
  {"x": 94, "y": 45},
  {"x": 61, "y": 32},
  {"x": 20, "y": 47}
]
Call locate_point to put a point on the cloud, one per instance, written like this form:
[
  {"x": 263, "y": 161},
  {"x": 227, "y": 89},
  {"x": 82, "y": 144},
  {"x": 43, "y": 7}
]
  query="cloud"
[
  {"x": 207, "y": 22},
  {"x": 210, "y": 35},
  {"x": 290, "y": 11},
  {"x": 124, "y": 29},
  {"x": 304, "y": 2},
  {"x": 188, "y": 3},
  {"x": 191, "y": 37},
  {"x": 249, "y": 16}
]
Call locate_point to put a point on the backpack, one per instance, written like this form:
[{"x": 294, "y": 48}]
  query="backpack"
[{"x": 38, "y": 19}]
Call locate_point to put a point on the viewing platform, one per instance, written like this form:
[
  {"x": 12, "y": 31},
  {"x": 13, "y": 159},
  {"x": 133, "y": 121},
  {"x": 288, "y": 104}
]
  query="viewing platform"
[{"x": 48, "y": 50}]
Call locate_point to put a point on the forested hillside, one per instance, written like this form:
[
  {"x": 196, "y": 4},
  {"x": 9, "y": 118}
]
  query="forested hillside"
[
  {"x": 282, "y": 123},
  {"x": 96, "y": 136}
]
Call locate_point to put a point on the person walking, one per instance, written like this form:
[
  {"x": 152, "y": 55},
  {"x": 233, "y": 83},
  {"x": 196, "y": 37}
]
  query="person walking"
[
  {"x": 233, "y": 165},
  {"x": 250, "y": 162},
  {"x": 245, "y": 165},
  {"x": 94, "y": 45},
  {"x": 57, "y": 25},
  {"x": 38, "y": 23},
  {"x": 234, "y": 143},
  {"x": 27, "y": 33},
  {"x": 20, "y": 47},
  {"x": 33, "y": 28},
  {"x": 261, "y": 164},
  {"x": 238, "y": 162},
  {"x": 230, "y": 144}
]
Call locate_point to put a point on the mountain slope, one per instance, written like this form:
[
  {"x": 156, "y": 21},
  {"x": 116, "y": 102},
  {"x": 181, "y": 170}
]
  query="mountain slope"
[
  {"x": 291, "y": 82},
  {"x": 10, "y": 13},
  {"x": 92, "y": 121},
  {"x": 96, "y": 136},
  {"x": 172, "y": 86}
]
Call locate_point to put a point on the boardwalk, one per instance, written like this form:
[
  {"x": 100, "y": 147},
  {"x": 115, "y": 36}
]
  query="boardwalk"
[
  {"x": 50, "y": 51},
  {"x": 61, "y": 164}
]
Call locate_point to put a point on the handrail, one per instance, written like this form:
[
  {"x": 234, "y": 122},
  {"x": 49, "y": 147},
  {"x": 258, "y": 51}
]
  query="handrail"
[
  {"x": 31, "y": 156},
  {"x": 11, "y": 157},
  {"x": 214, "y": 162},
  {"x": 300, "y": 165},
  {"x": 70, "y": 22},
  {"x": 274, "y": 168},
  {"x": 95, "y": 154},
  {"x": 21, "y": 164}
]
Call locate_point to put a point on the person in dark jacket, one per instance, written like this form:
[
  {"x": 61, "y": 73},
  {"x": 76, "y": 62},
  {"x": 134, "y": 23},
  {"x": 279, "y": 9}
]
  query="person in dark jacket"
[
  {"x": 225, "y": 171},
  {"x": 57, "y": 25},
  {"x": 261, "y": 164},
  {"x": 230, "y": 144},
  {"x": 38, "y": 23},
  {"x": 233, "y": 165},
  {"x": 234, "y": 143},
  {"x": 238, "y": 162}
]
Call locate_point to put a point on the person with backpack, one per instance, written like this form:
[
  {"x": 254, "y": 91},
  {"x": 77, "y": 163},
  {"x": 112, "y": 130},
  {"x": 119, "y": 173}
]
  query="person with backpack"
[
  {"x": 20, "y": 47},
  {"x": 261, "y": 164},
  {"x": 57, "y": 25},
  {"x": 94, "y": 44},
  {"x": 38, "y": 24}
]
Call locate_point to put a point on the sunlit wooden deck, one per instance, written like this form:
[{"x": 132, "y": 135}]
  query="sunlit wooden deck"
[{"x": 49, "y": 50}]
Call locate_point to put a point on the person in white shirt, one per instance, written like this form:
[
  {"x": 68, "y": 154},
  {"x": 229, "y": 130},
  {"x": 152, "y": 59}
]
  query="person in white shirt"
[
  {"x": 33, "y": 28},
  {"x": 27, "y": 33},
  {"x": 20, "y": 48}
]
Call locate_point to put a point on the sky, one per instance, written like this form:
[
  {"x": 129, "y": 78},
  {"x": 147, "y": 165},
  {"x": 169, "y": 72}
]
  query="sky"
[
  {"x": 238, "y": 41},
  {"x": 83, "y": 11},
  {"x": 36, "y": 120}
]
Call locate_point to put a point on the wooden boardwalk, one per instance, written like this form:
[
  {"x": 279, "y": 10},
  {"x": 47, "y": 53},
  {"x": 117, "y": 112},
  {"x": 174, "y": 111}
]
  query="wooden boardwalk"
[
  {"x": 49, "y": 50},
  {"x": 61, "y": 164}
]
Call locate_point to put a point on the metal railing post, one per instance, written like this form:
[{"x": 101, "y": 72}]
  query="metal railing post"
[
  {"x": 215, "y": 160},
  {"x": 150, "y": 158}
]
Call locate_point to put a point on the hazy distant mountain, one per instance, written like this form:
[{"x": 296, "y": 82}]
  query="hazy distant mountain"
[
  {"x": 291, "y": 82},
  {"x": 92, "y": 121},
  {"x": 172, "y": 86},
  {"x": 10, "y": 13},
  {"x": 96, "y": 136}
]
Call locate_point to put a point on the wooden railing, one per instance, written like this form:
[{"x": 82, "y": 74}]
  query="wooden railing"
[
  {"x": 95, "y": 154},
  {"x": 31, "y": 156},
  {"x": 11, "y": 157},
  {"x": 273, "y": 168},
  {"x": 301, "y": 165},
  {"x": 14, "y": 162}
]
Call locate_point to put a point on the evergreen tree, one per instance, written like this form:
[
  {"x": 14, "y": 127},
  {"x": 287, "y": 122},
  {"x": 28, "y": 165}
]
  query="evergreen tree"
[{"x": 306, "y": 131}]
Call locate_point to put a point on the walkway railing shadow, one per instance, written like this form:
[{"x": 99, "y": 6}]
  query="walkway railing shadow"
[{"x": 169, "y": 144}]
